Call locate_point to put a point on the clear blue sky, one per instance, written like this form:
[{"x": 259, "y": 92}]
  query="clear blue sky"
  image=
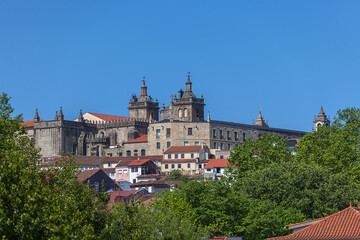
[{"x": 288, "y": 57}]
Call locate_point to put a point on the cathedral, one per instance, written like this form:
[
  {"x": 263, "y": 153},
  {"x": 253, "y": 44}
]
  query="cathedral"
[{"x": 149, "y": 129}]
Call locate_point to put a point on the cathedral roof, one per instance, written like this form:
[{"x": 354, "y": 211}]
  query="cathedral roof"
[{"x": 106, "y": 117}]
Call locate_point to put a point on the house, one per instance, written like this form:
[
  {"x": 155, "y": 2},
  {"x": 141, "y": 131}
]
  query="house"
[
  {"x": 141, "y": 167},
  {"x": 215, "y": 168},
  {"x": 184, "y": 158},
  {"x": 98, "y": 179},
  {"x": 341, "y": 225},
  {"x": 122, "y": 170}
]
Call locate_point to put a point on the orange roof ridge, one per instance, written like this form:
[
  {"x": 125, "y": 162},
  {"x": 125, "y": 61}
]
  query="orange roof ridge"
[
  {"x": 344, "y": 224},
  {"x": 143, "y": 138}
]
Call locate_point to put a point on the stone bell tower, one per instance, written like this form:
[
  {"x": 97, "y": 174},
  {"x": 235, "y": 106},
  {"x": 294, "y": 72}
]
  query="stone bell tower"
[
  {"x": 186, "y": 107},
  {"x": 143, "y": 107},
  {"x": 321, "y": 120}
]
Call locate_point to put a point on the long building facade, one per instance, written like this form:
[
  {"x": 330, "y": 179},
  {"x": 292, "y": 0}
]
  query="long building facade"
[{"x": 149, "y": 130}]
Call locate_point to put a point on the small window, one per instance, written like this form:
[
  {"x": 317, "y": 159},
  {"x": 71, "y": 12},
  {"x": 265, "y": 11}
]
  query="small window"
[
  {"x": 166, "y": 166},
  {"x": 168, "y": 132},
  {"x": 158, "y": 145},
  {"x": 128, "y": 153},
  {"x": 221, "y": 133},
  {"x": 229, "y": 147},
  {"x": 214, "y": 145},
  {"x": 169, "y": 156},
  {"x": 143, "y": 152},
  {"x": 179, "y": 165},
  {"x": 168, "y": 144},
  {"x": 120, "y": 171},
  {"x": 196, "y": 143},
  {"x": 173, "y": 166},
  {"x": 228, "y": 134},
  {"x": 188, "y": 165},
  {"x": 109, "y": 164},
  {"x": 192, "y": 155},
  {"x": 125, "y": 170},
  {"x": 157, "y": 133},
  {"x": 189, "y": 131},
  {"x": 176, "y": 156},
  {"x": 96, "y": 185},
  {"x": 199, "y": 165},
  {"x": 136, "y": 169},
  {"x": 221, "y": 146},
  {"x": 134, "y": 180},
  {"x": 236, "y": 136},
  {"x": 186, "y": 143},
  {"x": 214, "y": 133},
  {"x": 182, "y": 155}
]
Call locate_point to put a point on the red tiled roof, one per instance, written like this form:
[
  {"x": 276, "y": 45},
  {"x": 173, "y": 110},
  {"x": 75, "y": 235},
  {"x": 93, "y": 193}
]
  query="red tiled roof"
[
  {"x": 138, "y": 162},
  {"x": 106, "y": 117},
  {"x": 124, "y": 161},
  {"x": 113, "y": 195},
  {"x": 221, "y": 163},
  {"x": 341, "y": 225},
  {"x": 141, "y": 139},
  {"x": 29, "y": 123},
  {"x": 86, "y": 174},
  {"x": 174, "y": 149},
  {"x": 178, "y": 160}
]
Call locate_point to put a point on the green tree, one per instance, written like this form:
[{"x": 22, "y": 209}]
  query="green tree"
[
  {"x": 310, "y": 188},
  {"x": 256, "y": 155},
  {"x": 336, "y": 148},
  {"x": 267, "y": 219},
  {"x": 37, "y": 204},
  {"x": 177, "y": 175}
]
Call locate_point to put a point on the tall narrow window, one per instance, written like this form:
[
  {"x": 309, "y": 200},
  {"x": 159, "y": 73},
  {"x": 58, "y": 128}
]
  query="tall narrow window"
[
  {"x": 189, "y": 131},
  {"x": 244, "y": 137},
  {"x": 214, "y": 133},
  {"x": 157, "y": 133},
  {"x": 168, "y": 132},
  {"x": 228, "y": 135},
  {"x": 214, "y": 146},
  {"x": 221, "y": 146},
  {"x": 236, "y": 136},
  {"x": 220, "y": 133},
  {"x": 185, "y": 113},
  {"x": 158, "y": 145},
  {"x": 180, "y": 113},
  {"x": 168, "y": 144}
]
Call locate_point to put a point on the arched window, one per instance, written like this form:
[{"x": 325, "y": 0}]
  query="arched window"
[
  {"x": 102, "y": 134},
  {"x": 319, "y": 124},
  {"x": 128, "y": 153},
  {"x": 142, "y": 152},
  {"x": 185, "y": 113},
  {"x": 180, "y": 113}
]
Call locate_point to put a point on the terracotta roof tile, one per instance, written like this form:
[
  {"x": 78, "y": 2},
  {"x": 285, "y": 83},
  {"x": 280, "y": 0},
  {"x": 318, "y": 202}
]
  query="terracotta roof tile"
[
  {"x": 341, "y": 225},
  {"x": 174, "y": 149},
  {"x": 141, "y": 139},
  {"x": 106, "y": 117},
  {"x": 124, "y": 161},
  {"x": 221, "y": 163},
  {"x": 138, "y": 162},
  {"x": 29, "y": 123}
]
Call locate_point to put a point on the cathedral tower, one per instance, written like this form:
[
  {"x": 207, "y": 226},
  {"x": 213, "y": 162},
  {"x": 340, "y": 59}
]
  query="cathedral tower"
[
  {"x": 186, "y": 107},
  {"x": 321, "y": 120},
  {"x": 143, "y": 107}
]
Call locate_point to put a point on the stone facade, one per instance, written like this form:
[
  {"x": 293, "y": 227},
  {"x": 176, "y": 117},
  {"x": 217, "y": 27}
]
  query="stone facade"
[{"x": 181, "y": 123}]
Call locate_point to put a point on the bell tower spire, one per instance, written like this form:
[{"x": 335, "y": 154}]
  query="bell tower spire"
[
  {"x": 321, "y": 120},
  {"x": 36, "y": 118}
]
